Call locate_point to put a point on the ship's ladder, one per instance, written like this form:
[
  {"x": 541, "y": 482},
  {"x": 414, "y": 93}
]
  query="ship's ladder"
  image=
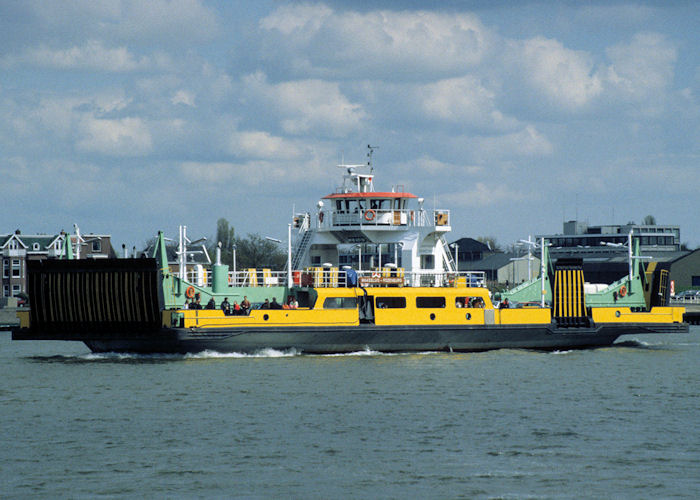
[
  {"x": 301, "y": 248},
  {"x": 663, "y": 284},
  {"x": 448, "y": 260}
]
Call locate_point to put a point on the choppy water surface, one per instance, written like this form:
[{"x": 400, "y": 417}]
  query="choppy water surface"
[{"x": 618, "y": 422}]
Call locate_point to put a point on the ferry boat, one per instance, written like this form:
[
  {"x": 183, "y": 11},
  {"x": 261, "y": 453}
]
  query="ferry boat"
[{"x": 371, "y": 270}]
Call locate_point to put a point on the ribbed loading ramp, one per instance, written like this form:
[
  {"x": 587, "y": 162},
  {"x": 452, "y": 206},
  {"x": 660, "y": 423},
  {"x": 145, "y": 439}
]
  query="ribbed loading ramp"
[{"x": 81, "y": 299}]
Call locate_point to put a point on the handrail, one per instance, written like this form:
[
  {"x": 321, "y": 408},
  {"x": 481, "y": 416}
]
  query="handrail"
[
  {"x": 334, "y": 277},
  {"x": 383, "y": 217}
]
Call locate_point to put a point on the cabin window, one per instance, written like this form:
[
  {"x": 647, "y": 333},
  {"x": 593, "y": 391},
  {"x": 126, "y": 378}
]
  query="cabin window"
[
  {"x": 430, "y": 302},
  {"x": 340, "y": 303},
  {"x": 461, "y": 301},
  {"x": 390, "y": 302},
  {"x": 35, "y": 247}
]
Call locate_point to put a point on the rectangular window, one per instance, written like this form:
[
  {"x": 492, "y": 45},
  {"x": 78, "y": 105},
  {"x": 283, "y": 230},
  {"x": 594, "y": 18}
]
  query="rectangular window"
[
  {"x": 390, "y": 302},
  {"x": 15, "y": 268},
  {"x": 340, "y": 303},
  {"x": 6, "y": 290},
  {"x": 430, "y": 302},
  {"x": 6, "y": 269},
  {"x": 15, "y": 290},
  {"x": 96, "y": 246},
  {"x": 695, "y": 281},
  {"x": 427, "y": 262}
]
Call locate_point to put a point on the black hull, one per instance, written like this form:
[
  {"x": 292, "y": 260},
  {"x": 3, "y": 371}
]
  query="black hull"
[{"x": 325, "y": 340}]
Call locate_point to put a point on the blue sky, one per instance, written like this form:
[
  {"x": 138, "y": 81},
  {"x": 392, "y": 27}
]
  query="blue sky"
[{"x": 130, "y": 117}]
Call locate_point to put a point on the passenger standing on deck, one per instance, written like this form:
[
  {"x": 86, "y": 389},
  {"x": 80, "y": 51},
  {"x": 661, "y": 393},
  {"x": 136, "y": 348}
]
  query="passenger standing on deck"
[
  {"x": 211, "y": 304},
  {"x": 245, "y": 305},
  {"x": 226, "y": 307},
  {"x": 187, "y": 304},
  {"x": 197, "y": 304},
  {"x": 275, "y": 304},
  {"x": 505, "y": 304},
  {"x": 266, "y": 304},
  {"x": 236, "y": 309}
]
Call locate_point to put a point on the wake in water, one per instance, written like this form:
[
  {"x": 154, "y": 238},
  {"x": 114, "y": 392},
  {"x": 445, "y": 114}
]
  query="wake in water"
[{"x": 126, "y": 357}]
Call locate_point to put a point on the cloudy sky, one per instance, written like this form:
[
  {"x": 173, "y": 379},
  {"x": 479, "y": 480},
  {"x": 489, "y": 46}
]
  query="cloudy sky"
[{"x": 128, "y": 117}]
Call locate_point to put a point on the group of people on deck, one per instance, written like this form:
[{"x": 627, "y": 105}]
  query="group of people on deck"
[
  {"x": 242, "y": 309},
  {"x": 291, "y": 303}
]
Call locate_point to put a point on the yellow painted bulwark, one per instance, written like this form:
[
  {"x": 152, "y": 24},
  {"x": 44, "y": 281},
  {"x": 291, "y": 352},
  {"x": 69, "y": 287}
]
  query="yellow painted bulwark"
[
  {"x": 528, "y": 316},
  {"x": 411, "y": 314},
  {"x": 625, "y": 315}
]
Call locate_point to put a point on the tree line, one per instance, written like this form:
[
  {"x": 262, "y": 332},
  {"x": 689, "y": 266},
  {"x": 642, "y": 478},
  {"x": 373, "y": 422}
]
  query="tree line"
[{"x": 253, "y": 250}]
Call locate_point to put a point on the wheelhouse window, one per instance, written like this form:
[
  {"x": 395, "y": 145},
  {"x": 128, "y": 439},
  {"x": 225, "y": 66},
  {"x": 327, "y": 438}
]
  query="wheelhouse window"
[
  {"x": 340, "y": 303},
  {"x": 96, "y": 246},
  {"x": 430, "y": 302},
  {"x": 390, "y": 302}
]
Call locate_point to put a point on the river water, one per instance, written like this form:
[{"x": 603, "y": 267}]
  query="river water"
[{"x": 618, "y": 422}]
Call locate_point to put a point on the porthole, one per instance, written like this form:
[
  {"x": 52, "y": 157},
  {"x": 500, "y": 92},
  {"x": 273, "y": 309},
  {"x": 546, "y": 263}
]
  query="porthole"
[
  {"x": 432, "y": 316},
  {"x": 266, "y": 317},
  {"x": 468, "y": 316},
  {"x": 617, "y": 314}
]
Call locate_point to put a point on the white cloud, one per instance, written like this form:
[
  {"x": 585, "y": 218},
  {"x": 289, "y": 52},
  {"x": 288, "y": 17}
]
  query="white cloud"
[
  {"x": 177, "y": 21},
  {"x": 262, "y": 145},
  {"x": 482, "y": 195},
  {"x": 642, "y": 67},
  {"x": 121, "y": 137},
  {"x": 91, "y": 56},
  {"x": 566, "y": 78},
  {"x": 387, "y": 43},
  {"x": 307, "y": 105},
  {"x": 432, "y": 166},
  {"x": 526, "y": 142},
  {"x": 463, "y": 100},
  {"x": 183, "y": 97}
]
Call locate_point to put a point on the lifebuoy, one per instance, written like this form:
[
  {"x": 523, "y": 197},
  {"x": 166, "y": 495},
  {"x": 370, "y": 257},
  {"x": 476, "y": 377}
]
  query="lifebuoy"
[
  {"x": 189, "y": 293},
  {"x": 623, "y": 291},
  {"x": 370, "y": 214}
]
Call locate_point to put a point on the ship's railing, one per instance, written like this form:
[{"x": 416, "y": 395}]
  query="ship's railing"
[
  {"x": 328, "y": 219},
  {"x": 695, "y": 300},
  {"x": 334, "y": 277}
]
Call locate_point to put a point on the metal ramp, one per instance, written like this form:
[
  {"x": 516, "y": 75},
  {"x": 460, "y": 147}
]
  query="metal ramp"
[
  {"x": 79, "y": 299},
  {"x": 569, "y": 301}
]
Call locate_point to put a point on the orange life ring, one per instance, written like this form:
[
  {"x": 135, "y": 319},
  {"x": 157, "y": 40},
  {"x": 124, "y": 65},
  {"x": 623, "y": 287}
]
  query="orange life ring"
[
  {"x": 623, "y": 291},
  {"x": 189, "y": 293},
  {"x": 370, "y": 214}
]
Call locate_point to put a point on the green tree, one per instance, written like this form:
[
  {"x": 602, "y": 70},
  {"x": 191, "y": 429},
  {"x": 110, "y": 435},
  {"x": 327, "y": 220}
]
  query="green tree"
[
  {"x": 649, "y": 220},
  {"x": 490, "y": 241},
  {"x": 224, "y": 234},
  {"x": 256, "y": 251}
]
